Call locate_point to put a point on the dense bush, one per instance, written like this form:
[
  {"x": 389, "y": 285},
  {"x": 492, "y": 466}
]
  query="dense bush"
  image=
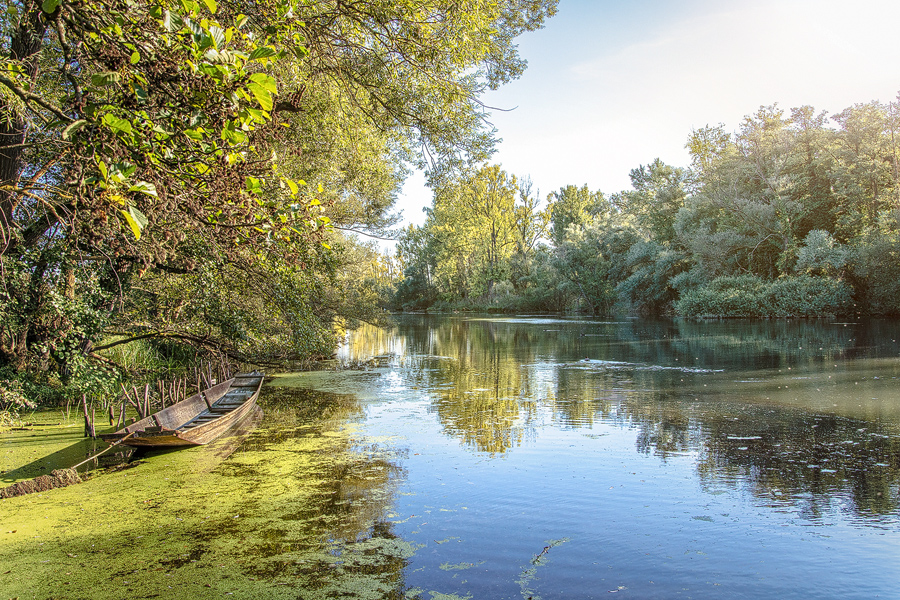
[
  {"x": 876, "y": 272},
  {"x": 414, "y": 292},
  {"x": 12, "y": 400},
  {"x": 752, "y": 296},
  {"x": 649, "y": 288}
]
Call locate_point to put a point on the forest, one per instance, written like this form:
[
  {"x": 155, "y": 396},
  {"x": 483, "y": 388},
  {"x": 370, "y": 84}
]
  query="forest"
[
  {"x": 185, "y": 180},
  {"x": 794, "y": 214}
]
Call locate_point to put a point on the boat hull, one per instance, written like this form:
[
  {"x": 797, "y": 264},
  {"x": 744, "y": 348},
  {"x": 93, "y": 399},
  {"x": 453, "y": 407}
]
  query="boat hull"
[{"x": 197, "y": 420}]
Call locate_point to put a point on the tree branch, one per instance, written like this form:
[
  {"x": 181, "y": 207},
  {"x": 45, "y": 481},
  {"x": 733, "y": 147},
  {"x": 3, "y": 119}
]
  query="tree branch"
[{"x": 26, "y": 96}]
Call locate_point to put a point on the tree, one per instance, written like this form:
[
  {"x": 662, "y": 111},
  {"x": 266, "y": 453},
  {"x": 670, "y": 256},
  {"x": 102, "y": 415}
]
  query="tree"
[
  {"x": 126, "y": 127},
  {"x": 591, "y": 259},
  {"x": 573, "y": 206},
  {"x": 142, "y": 139},
  {"x": 474, "y": 220},
  {"x": 811, "y": 166},
  {"x": 658, "y": 194},
  {"x": 865, "y": 180},
  {"x": 744, "y": 210},
  {"x": 531, "y": 226},
  {"x": 416, "y": 257}
]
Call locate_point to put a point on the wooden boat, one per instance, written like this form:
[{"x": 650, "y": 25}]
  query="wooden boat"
[{"x": 197, "y": 420}]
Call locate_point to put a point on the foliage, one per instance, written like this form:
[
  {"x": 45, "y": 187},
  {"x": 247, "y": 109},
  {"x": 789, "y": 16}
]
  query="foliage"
[
  {"x": 792, "y": 214},
  {"x": 657, "y": 196},
  {"x": 752, "y": 296},
  {"x": 178, "y": 170},
  {"x": 820, "y": 254},
  {"x": 483, "y": 230},
  {"x": 875, "y": 271},
  {"x": 573, "y": 206},
  {"x": 650, "y": 287},
  {"x": 547, "y": 291},
  {"x": 589, "y": 259},
  {"x": 474, "y": 219},
  {"x": 12, "y": 400}
]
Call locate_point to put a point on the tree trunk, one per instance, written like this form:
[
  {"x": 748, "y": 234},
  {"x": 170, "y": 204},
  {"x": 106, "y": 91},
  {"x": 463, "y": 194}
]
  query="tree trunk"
[{"x": 25, "y": 43}]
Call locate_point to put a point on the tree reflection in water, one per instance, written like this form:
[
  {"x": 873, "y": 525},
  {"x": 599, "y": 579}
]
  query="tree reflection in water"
[{"x": 782, "y": 409}]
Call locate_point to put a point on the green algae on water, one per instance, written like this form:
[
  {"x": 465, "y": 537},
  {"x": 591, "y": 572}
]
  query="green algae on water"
[
  {"x": 46, "y": 442},
  {"x": 300, "y": 509}
]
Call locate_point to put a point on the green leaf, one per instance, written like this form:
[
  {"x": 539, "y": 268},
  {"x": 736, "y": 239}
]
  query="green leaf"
[
  {"x": 49, "y": 6},
  {"x": 254, "y": 185},
  {"x": 267, "y": 82},
  {"x": 262, "y": 52},
  {"x": 234, "y": 136},
  {"x": 106, "y": 78},
  {"x": 102, "y": 166},
  {"x": 195, "y": 134},
  {"x": 210, "y": 5},
  {"x": 125, "y": 168},
  {"x": 116, "y": 124},
  {"x": 135, "y": 57},
  {"x": 211, "y": 70},
  {"x": 68, "y": 131},
  {"x": 262, "y": 96},
  {"x": 258, "y": 116},
  {"x": 136, "y": 220},
  {"x": 144, "y": 187},
  {"x": 190, "y": 6}
]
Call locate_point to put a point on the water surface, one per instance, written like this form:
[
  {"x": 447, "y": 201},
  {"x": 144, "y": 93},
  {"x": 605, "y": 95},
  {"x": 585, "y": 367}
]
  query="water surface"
[
  {"x": 573, "y": 458},
  {"x": 529, "y": 457}
]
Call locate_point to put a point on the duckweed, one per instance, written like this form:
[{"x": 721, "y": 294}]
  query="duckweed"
[{"x": 299, "y": 509}]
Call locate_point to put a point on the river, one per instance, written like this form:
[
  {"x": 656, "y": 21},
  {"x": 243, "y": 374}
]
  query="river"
[{"x": 471, "y": 456}]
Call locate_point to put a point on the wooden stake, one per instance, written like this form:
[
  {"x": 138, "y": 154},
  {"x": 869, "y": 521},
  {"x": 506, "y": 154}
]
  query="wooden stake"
[
  {"x": 121, "y": 421},
  {"x": 88, "y": 421},
  {"x": 111, "y": 446}
]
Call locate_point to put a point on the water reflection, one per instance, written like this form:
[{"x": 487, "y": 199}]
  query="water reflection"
[
  {"x": 801, "y": 413},
  {"x": 821, "y": 462}
]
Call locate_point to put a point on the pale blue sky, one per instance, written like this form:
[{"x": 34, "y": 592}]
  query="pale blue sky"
[{"x": 612, "y": 85}]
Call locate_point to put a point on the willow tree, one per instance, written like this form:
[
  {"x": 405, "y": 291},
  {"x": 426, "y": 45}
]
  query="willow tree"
[{"x": 145, "y": 138}]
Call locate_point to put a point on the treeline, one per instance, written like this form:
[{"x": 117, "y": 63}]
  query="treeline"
[
  {"x": 178, "y": 178},
  {"x": 793, "y": 214}
]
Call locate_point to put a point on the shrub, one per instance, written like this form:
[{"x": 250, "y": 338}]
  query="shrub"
[
  {"x": 875, "y": 269},
  {"x": 12, "y": 400},
  {"x": 751, "y": 296},
  {"x": 820, "y": 254}
]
